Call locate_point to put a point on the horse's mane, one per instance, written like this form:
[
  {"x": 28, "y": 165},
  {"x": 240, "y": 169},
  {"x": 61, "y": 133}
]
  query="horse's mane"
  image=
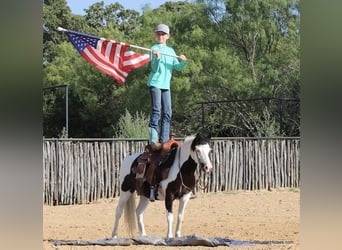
[{"x": 188, "y": 139}]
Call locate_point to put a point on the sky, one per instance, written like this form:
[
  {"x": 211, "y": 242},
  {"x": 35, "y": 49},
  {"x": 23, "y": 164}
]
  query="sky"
[{"x": 78, "y": 6}]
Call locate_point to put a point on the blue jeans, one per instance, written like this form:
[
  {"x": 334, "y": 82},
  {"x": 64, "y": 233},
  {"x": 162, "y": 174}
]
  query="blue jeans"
[{"x": 161, "y": 111}]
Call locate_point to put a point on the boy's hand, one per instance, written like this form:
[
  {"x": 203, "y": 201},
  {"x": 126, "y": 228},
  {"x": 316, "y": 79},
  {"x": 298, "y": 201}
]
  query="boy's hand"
[
  {"x": 182, "y": 58},
  {"x": 156, "y": 53}
]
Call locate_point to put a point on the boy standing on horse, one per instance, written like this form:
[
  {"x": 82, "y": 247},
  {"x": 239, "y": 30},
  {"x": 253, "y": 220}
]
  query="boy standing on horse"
[{"x": 159, "y": 85}]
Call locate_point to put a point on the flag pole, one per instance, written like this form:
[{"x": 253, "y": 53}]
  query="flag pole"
[
  {"x": 130, "y": 45},
  {"x": 142, "y": 48}
]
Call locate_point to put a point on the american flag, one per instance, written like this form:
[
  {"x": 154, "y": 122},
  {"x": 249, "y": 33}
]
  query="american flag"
[{"x": 106, "y": 55}]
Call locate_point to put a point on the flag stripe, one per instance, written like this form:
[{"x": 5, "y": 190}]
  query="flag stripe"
[
  {"x": 108, "y": 70},
  {"x": 135, "y": 61},
  {"x": 100, "y": 63},
  {"x": 101, "y": 59}
]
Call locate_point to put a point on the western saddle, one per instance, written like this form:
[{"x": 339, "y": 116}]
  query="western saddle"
[{"x": 154, "y": 156}]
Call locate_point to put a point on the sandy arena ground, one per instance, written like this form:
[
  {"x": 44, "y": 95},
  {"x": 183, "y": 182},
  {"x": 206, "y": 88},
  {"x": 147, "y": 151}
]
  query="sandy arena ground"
[{"x": 255, "y": 215}]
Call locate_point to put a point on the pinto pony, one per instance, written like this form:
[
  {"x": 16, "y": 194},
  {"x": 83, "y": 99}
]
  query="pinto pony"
[{"x": 178, "y": 184}]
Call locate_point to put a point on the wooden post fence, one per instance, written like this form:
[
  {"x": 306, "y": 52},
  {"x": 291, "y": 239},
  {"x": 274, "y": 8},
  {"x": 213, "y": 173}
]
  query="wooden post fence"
[{"x": 78, "y": 171}]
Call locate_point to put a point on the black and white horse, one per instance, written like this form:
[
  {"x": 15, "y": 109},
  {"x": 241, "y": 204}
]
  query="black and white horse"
[{"x": 180, "y": 182}]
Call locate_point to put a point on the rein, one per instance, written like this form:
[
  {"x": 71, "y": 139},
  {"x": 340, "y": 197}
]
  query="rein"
[
  {"x": 181, "y": 177},
  {"x": 180, "y": 173}
]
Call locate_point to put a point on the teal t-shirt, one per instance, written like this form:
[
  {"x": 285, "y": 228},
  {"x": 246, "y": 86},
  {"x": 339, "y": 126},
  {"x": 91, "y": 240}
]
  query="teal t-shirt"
[{"x": 161, "y": 69}]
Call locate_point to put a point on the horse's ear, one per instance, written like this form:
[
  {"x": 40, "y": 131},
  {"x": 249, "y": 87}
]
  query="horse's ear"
[
  {"x": 207, "y": 134},
  {"x": 204, "y": 133},
  {"x": 200, "y": 136}
]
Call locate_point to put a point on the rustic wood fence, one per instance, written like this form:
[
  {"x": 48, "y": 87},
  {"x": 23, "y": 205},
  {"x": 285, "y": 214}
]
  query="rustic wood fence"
[{"x": 79, "y": 171}]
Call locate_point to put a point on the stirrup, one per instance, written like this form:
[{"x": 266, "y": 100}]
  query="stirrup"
[{"x": 152, "y": 194}]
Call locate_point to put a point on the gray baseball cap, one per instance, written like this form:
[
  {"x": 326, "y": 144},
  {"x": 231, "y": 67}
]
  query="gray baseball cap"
[{"x": 162, "y": 27}]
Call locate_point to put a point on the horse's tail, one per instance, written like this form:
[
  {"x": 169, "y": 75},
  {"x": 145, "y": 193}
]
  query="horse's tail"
[{"x": 130, "y": 216}]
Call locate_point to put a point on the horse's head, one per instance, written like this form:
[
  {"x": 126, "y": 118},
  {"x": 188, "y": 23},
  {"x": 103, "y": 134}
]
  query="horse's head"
[{"x": 200, "y": 150}]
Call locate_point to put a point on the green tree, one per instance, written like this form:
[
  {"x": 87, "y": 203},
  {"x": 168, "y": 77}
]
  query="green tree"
[
  {"x": 55, "y": 13},
  {"x": 99, "y": 16},
  {"x": 263, "y": 37},
  {"x": 265, "y": 34}
]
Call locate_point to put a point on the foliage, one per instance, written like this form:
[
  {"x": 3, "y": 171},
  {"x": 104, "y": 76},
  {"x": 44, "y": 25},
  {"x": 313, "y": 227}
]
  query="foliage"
[
  {"x": 236, "y": 50},
  {"x": 132, "y": 126},
  {"x": 266, "y": 125}
]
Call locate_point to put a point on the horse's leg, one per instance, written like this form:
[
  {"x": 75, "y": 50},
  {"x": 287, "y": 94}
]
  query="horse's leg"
[
  {"x": 169, "y": 218},
  {"x": 143, "y": 203},
  {"x": 169, "y": 214},
  {"x": 182, "y": 205},
  {"x": 124, "y": 196}
]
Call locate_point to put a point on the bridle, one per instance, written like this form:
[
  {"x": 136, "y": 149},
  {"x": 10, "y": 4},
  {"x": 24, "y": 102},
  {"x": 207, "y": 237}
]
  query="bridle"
[
  {"x": 202, "y": 165},
  {"x": 200, "y": 161}
]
